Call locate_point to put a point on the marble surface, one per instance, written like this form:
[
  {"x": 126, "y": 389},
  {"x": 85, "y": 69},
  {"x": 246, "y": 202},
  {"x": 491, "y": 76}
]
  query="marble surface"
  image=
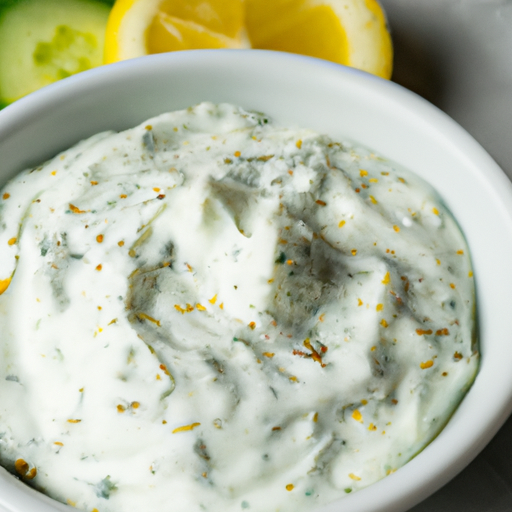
[{"x": 458, "y": 55}]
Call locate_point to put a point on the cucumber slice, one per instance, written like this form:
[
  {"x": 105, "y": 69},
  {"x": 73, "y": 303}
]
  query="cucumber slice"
[{"x": 42, "y": 41}]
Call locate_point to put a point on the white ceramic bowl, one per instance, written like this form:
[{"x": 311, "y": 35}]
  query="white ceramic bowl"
[{"x": 341, "y": 102}]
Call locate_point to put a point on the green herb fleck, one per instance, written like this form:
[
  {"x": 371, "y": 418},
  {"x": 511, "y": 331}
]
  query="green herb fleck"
[
  {"x": 104, "y": 488},
  {"x": 282, "y": 258}
]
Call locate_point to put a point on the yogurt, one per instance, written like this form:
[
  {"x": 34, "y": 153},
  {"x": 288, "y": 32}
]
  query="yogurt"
[{"x": 211, "y": 312}]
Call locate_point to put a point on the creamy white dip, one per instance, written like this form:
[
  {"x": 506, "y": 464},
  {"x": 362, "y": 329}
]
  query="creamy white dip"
[{"x": 212, "y": 313}]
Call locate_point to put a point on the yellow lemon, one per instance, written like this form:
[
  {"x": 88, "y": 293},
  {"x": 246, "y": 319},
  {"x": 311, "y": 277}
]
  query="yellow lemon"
[{"x": 350, "y": 32}]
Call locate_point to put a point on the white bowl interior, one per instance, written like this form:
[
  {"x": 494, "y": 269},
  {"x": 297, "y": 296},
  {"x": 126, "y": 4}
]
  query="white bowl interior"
[{"x": 342, "y": 103}]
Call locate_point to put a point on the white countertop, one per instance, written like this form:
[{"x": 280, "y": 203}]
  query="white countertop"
[{"x": 458, "y": 55}]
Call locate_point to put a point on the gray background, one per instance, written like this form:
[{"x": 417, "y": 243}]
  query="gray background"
[{"x": 458, "y": 55}]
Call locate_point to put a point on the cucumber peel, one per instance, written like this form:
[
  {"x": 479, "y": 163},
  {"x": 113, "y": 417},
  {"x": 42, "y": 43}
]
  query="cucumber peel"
[{"x": 44, "y": 41}]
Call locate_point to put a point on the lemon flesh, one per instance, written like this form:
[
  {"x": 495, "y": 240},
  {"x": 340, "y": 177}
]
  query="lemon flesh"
[
  {"x": 297, "y": 28},
  {"x": 168, "y": 33},
  {"x": 141, "y": 27},
  {"x": 349, "y": 32}
]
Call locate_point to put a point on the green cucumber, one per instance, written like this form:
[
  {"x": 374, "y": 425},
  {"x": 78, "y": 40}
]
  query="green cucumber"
[{"x": 42, "y": 41}]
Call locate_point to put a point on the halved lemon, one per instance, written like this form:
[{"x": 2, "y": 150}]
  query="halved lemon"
[{"x": 350, "y": 32}]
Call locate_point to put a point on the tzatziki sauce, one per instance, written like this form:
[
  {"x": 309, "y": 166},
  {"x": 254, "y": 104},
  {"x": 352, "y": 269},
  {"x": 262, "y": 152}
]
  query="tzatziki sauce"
[{"x": 211, "y": 312}]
